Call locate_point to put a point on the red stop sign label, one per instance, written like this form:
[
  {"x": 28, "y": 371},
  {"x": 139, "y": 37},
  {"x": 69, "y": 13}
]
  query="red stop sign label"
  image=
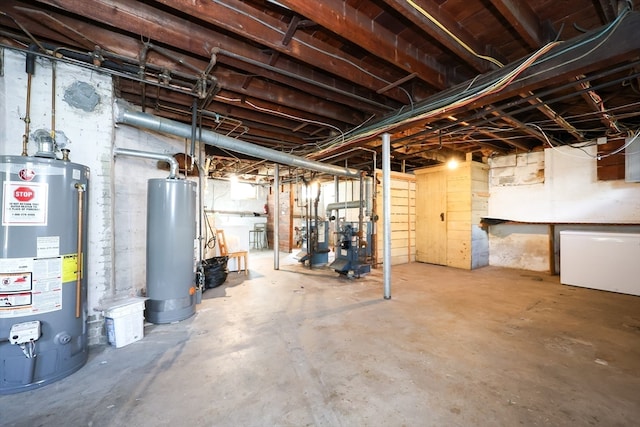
[{"x": 23, "y": 194}]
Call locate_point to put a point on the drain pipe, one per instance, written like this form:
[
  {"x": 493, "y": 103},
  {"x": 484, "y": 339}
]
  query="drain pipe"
[
  {"x": 173, "y": 163},
  {"x": 386, "y": 209},
  {"x": 183, "y": 130}
]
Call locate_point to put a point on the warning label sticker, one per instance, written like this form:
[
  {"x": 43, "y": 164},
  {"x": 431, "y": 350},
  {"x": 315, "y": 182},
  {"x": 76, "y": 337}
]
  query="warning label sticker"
[
  {"x": 15, "y": 300},
  {"x": 15, "y": 282},
  {"x": 24, "y": 203},
  {"x": 70, "y": 268},
  {"x": 30, "y": 285}
]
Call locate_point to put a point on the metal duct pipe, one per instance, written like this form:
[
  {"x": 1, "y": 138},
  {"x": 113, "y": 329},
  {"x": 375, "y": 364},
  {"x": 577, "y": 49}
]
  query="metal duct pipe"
[
  {"x": 342, "y": 205},
  {"x": 173, "y": 163},
  {"x": 386, "y": 190},
  {"x": 159, "y": 124}
]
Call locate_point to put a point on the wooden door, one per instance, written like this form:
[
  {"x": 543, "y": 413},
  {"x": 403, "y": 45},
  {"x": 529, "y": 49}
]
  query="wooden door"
[
  {"x": 431, "y": 217},
  {"x": 285, "y": 210}
]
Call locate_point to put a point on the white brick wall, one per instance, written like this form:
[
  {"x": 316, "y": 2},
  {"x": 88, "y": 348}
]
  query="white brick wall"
[
  {"x": 116, "y": 256},
  {"x": 130, "y": 204},
  {"x": 91, "y": 135}
]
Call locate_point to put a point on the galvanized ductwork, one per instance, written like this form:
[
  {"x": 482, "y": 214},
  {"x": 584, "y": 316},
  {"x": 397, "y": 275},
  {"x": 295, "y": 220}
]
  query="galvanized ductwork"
[
  {"x": 183, "y": 130},
  {"x": 173, "y": 163}
]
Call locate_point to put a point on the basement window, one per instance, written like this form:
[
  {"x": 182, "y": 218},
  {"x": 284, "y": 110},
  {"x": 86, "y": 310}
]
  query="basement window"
[{"x": 243, "y": 191}]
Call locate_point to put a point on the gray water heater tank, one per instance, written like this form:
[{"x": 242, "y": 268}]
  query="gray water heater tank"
[
  {"x": 43, "y": 292},
  {"x": 171, "y": 233}
]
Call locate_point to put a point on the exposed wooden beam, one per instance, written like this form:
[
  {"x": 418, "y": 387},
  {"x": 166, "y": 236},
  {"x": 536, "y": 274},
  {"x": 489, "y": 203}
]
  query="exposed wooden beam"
[
  {"x": 353, "y": 100},
  {"x": 293, "y": 27},
  {"x": 346, "y": 21},
  {"x": 597, "y": 104},
  {"x": 552, "y": 115},
  {"x": 415, "y": 15},
  {"x": 523, "y": 19},
  {"x": 281, "y": 95},
  {"x": 272, "y": 109},
  {"x": 608, "y": 9},
  {"x": 240, "y": 18},
  {"x": 491, "y": 134},
  {"x": 581, "y": 55},
  {"x": 518, "y": 125},
  {"x": 396, "y": 83},
  {"x": 144, "y": 20}
]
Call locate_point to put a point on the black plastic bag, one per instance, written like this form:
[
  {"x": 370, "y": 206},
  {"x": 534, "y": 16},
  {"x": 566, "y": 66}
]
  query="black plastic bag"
[{"x": 215, "y": 271}]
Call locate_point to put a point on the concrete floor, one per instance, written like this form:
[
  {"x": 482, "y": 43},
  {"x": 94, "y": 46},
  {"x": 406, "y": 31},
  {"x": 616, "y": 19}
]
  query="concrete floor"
[{"x": 492, "y": 347}]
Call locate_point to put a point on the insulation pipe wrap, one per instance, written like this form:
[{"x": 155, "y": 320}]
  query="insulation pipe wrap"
[{"x": 173, "y": 163}]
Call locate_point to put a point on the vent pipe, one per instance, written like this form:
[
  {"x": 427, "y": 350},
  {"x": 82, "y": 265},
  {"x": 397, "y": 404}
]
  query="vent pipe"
[
  {"x": 173, "y": 163},
  {"x": 183, "y": 130}
]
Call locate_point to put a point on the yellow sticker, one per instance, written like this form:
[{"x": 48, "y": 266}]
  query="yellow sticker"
[{"x": 70, "y": 268}]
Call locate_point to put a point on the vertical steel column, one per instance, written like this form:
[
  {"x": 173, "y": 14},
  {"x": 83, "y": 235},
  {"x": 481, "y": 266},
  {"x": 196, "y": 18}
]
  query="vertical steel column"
[
  {"x": 276, "y": 217},
  {"x": 386, "y": 190}
]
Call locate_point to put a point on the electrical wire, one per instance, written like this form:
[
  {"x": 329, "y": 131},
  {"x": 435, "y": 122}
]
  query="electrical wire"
[
  {"x": 294, "y": 117},
  {"x": 211, "y": 242},
  {"x": 453, "y": 36},
  {"x": 280, "y": 113},
  {"x": 581, "y": 148},
  {"x": 447, "y": 105},
  {"x": 608, "y": 31},
  {"x": 29, "y": 349},
  {"x": 460, "y": 99},
  {"x": 317, "y": 49}
]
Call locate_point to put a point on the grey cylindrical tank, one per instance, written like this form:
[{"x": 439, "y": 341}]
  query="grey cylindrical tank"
[
  {"x": 171, "y": 232},
  {"x": 43, "y": 306}
]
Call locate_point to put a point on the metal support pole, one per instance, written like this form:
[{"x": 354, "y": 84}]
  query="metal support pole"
[
  {"x": 276, "y": 217},
  {"x": 386, "y": 190}
]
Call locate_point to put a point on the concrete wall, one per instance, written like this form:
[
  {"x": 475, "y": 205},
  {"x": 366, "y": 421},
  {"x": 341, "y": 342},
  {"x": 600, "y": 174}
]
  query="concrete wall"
[{"x": 558, "y": 186}]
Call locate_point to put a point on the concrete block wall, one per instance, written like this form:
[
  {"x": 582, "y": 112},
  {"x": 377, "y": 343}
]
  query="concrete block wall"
[
  {"x": 568, "y": 193},
  {"x": 517, "y": 169}
]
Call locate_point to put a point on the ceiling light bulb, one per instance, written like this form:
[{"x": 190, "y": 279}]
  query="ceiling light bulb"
[{"x": 452, "y": 164}]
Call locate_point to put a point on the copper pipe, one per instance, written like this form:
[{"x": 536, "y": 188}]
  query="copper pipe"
[
  {"x": 53, "y": 100},
  {"x": 81, "y": 189}
]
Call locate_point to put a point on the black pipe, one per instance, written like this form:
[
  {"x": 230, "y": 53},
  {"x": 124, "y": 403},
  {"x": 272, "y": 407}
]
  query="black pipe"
[{"x": 30, "y": 66}]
